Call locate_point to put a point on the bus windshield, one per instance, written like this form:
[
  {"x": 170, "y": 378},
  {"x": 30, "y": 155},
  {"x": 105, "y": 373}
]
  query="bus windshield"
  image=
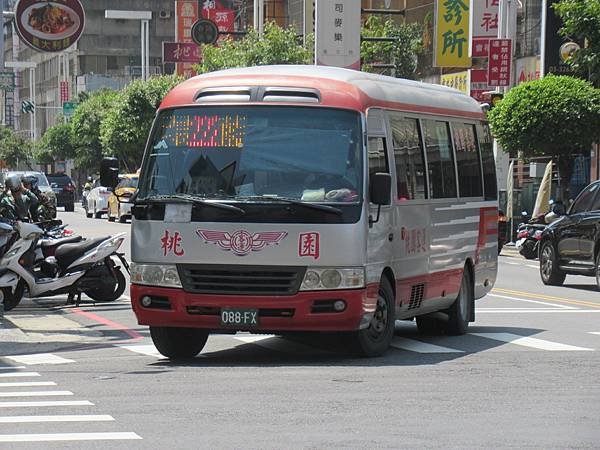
[{"x": 256, "y": 152}]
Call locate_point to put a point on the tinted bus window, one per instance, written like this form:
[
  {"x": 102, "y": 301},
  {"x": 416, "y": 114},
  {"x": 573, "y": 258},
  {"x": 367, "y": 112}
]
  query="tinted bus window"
[
  {"x": 467, "y": 160},
  {"x": 488, "y": 162},
  {"x": 440, "y": 161},
  {"x": 408, "y": 154}
]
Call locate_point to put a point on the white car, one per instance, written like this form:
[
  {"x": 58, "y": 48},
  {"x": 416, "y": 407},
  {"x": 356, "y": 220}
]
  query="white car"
[{"x": 97, "y": 200}]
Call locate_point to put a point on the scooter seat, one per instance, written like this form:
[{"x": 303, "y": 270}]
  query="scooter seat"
[
  {"x": 61, "y": 241},
  {"x": 68, "y": 253}
]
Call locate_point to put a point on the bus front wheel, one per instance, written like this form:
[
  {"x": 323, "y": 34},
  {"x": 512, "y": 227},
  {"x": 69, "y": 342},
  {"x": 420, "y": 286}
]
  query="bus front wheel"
[
  {"x": 377, "y": 337},
  {"x": 178, "y": 343}
]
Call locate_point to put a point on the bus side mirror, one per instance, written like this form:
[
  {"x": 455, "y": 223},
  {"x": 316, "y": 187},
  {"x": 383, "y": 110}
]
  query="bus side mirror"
[
  {"x": 380, "y": 190},
  {"x": 109, "y": 172}
]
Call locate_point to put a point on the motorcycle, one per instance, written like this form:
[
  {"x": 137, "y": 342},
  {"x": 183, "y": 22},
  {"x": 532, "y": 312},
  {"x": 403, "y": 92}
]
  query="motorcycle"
[
  {"x": 84, "y": 267},
  {"x": 529, "y": 233}
]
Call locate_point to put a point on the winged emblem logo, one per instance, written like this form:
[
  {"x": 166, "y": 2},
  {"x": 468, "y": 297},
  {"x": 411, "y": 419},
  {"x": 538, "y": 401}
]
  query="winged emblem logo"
[{"x": 241, "y": 242}]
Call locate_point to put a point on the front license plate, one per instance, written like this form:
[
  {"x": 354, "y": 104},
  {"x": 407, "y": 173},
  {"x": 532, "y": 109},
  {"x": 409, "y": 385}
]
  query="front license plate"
[{"x": 247, "y": 318}]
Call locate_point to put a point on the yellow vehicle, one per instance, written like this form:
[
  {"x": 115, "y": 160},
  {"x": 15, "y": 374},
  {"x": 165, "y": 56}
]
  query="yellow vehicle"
[{"x": 118, "y": 203}]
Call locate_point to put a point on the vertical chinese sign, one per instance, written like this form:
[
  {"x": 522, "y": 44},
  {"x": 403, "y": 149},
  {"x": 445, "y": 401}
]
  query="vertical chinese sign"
[
  {"x": 499, "y": 62},
  {"x": 224, "y": 17},
  {"x": 337, "y": 40},
  {"x": 484, "y": 26},
  {"x": 452, "y": 33},
  {"x": 186, "y": 13}
]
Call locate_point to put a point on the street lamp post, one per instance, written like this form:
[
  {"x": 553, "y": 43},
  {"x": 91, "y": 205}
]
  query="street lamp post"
[{"x": 144, "y": 17}]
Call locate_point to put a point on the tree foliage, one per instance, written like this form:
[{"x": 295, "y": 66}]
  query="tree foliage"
[
  {"x": 125, "y": 127},
  {"x": 403, "y": 52},
  {"x": 85, "y": 126},
  {"x": 58, "y": 143},
  {"x": 581, "y": 22},
  {"x": 14, "y": 150},
  {"x": 277, "y": 46},
  {"x": 556, "y": 116}
]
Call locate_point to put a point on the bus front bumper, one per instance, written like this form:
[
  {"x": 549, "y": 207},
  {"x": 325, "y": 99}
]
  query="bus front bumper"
[{"x": 304, "y": 311}]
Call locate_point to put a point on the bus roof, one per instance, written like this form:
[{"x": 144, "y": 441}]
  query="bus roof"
[{"x": 334, "y": 87}]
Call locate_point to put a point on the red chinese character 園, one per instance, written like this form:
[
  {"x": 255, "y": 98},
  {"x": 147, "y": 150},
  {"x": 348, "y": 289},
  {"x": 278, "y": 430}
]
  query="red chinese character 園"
[
  {"x": 308, "y": 245},
  {"x": 171, "y": 243}
]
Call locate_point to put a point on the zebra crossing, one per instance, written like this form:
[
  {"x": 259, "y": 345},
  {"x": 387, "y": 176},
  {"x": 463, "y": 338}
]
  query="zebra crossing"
[{"x": 14, "y": 402}]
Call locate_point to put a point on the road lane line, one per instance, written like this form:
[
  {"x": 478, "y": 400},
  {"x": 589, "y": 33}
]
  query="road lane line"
[
  {"x": 279, "y": 344},
  {"x": 19, "y": 374},
  {"x": 40, "y": 358},
  {"x": 532, "y": 301},
  {"x": 524, "y": 341},
  {"x": 35, "y": 393},
  {"x": 58, "y": 418},
  {"x": 595, "y": 332},
  {"x": 28, "y": 384},
  {"x": 68, "y": 437},
  {"x": 142, "y": 349},
  {"x": 547, "y": 297},
  {"x": 253, "y": 338},
  {"x": 46, "y": 403},
  {"x": 539, "y": 310},
  {"x": 420, "y": 347}
]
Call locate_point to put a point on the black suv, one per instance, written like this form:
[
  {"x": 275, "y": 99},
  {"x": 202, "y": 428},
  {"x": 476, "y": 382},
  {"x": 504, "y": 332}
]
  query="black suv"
[
  {"x": 64, "y": 188},
  {"x": 571, "y": 245}
]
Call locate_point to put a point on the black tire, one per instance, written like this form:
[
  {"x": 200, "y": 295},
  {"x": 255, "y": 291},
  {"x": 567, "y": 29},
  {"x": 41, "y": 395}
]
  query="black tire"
[
  {"x": 460, "y": 311},
  {"x": 98, "y": 214},
  {"x": 110, "y": 218},
  {"x": 70, "y": 207},
  {"x": 11, "y": 300},
  {"x": 178, "y": 343},
  {"x": 549, "y": 272},
  {"x": 429, "y": 326},
  {"x": 376, "y": 338},
  {"x": 109, "y": 295},
  {"x": 122, "y": 219}
]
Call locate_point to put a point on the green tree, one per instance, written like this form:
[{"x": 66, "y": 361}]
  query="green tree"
[
  {"x": 555, "y": 116},
  {"x": 124, "y": 129},
  {"x": 277, "y": 46},
  {"x": 581, "y": 22},
  {"x": 85, "y": 126},
  {"x": 403, "y": 52},
  {"x": 14, "y": 150},
  {"x": 57, "y": 143}
]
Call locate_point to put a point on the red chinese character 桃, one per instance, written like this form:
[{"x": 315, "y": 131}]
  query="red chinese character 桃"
[{"x": 171, "y": 243}]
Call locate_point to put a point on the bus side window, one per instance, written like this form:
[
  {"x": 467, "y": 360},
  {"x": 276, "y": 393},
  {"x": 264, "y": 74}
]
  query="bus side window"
[
  {"x": 440, "y": 159},
  {"x": 488, "y": 162},
  {"x": 408, "y": 155},
  {"x": 377, "y": 156},
  {"x": 467, "y": 160}
]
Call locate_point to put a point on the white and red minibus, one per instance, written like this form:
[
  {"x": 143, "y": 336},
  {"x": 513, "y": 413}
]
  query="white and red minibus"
[{"x": 303, "y": 198}]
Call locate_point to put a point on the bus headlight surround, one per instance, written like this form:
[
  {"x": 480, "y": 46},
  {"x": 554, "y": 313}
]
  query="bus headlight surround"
[
  {"x": 329, "y": 278},
  {"x": 163, "y": 275}
]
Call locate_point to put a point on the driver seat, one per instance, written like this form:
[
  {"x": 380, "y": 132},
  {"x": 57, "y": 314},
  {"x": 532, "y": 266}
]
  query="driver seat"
[{"x": 68, "y": 253}]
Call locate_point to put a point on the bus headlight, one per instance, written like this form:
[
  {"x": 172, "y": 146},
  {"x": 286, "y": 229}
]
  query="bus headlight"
[
  {"x": 323, "y": 278},
  {"x": 164, "y": 275}
]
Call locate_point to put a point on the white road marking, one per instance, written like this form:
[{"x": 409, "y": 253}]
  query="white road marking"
[
  {"x": 595, "y": 332},
  {"x": 524, "y": 341},
  {"x": 19, "y": 374},
  {"x": 67, "y": 437},
  {"x": 277, "y": 343},
  {"x": 421, "y": 347},
  {"x": 12, "y": 367},
  {"x": 63, "y": 418},
  {"x": 47, "y": 403},
  {"x": 252, "y": 338},
  {"x": 35, "y": 393},
  {"x": 40, "y": 358},
  {"x": 555, "y": 305},
  {"x": 538, "y": 310},
  {"x": 28, "y": 384},
  {"x": 143, "y": 349}
]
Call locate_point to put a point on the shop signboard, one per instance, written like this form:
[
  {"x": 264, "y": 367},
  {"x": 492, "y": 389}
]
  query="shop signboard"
[
  {"x": 337, "y": 40},
  {"x": 452, "y": 33},
  {"x": 499, "y": 62},
  {"x": 484, "y": 26},
  {"x": 181, "y": 52}
]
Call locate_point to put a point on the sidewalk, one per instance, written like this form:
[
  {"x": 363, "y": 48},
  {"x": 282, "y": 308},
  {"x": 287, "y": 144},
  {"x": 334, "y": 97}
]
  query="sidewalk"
[{"x": 511, "y": 251}]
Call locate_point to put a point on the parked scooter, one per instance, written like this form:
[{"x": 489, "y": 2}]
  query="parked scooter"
[
  {"x": 529, "y": 233},
  {"x": 83, "y": 267}
]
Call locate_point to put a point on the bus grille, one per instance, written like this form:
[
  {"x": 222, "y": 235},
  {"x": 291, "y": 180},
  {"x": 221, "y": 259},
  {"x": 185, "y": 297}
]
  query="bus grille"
[{"x": 240, "y": 280}]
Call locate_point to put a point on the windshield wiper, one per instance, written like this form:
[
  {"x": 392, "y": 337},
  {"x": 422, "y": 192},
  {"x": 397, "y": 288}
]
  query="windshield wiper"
[
  {"x": 192, "y": 199},
  {"x": 293, "y": 201}
]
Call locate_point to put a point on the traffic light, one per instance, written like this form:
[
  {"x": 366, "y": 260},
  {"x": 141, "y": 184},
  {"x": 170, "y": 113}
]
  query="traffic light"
[{"x": 27, "y": 107}]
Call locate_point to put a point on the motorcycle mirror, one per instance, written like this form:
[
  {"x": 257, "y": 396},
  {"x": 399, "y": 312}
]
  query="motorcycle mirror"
[{"x": 559, "y": 209}]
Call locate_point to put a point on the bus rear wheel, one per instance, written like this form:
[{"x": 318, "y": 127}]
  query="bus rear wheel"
[
  {"x": 178, "y": 343},
  {"x": 460, "y": 311},
  {"x": 377, "y": 337}
]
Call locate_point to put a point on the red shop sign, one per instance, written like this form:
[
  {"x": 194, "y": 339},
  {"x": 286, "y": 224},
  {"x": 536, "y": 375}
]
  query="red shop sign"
[
  {"x": 499, "y": 62},
  {"x": 49, "y": 26}
]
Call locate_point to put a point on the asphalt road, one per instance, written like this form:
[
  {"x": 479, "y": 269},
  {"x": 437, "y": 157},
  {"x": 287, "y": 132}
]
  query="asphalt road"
[{"x": 526, "y": 376}]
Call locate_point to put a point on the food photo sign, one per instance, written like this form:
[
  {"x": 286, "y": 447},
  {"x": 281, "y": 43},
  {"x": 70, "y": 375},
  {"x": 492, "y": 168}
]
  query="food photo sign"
[{"x": 49, "y": 26}]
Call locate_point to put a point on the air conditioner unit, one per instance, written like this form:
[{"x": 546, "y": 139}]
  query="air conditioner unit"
[{"x": 164, "y": 14}]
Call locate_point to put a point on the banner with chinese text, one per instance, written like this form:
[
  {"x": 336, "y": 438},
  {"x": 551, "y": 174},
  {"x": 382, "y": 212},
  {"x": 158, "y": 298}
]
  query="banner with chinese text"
[
  {"x": 186, "y": 13},
  {"x": 337, "y": 40},
  {"x": 484, "y": 26},
  {"x": 499, "y": 62},
  {"x": 478, "y": 83},
  {"x": 458, "y": 80},
  {"x": 224, "y": 17},
  {"x": 452, "y": 33}
]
